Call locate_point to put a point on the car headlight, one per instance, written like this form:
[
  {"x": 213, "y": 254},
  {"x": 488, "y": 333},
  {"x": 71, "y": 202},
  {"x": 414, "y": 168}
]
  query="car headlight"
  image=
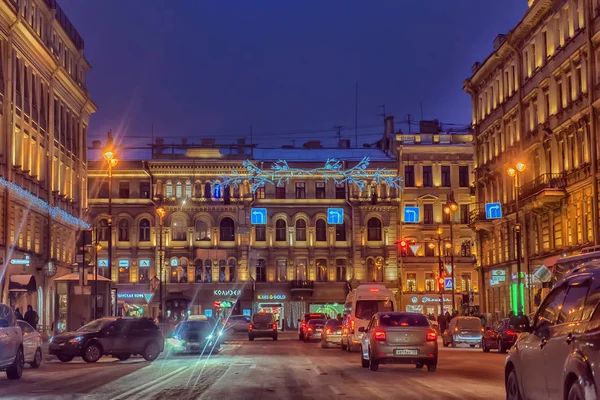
[
  {"x": 175, "y": 341},
  {"x": 76, "y": 339}
]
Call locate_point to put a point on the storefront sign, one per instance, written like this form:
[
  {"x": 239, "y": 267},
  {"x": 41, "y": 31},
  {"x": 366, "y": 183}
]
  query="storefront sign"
[
  {"x": 230, "y": 292},
  {"x": 247, "y": 312},
  {"x": 20, "y": 261},
  {"x": 124, "y": 263},
  {"x": 498, "y": 272},
  {"x": 145, "y": 263},
  {"x": 146, "y": 296},
  {"x": 271, "y": 297},
  {"x": 494, "y": 282},
  {"x": 222, "y": 304},
  {"x": 426, "y": 299},
  {"x": 208, "y": 313}
]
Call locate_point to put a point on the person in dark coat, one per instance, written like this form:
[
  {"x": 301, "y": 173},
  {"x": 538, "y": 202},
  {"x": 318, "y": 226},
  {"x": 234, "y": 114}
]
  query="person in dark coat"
[
  {"x": 442, "y": 323},
  {"x": 18, "y": 314},
  {"x": 31, "y": 317}
]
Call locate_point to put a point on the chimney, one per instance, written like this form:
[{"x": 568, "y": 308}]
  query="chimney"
[
  {"x": 345, "y": 144},
  {"x": 388, "y": 133},
  {"x": 96, "y": 144},
  {"x": 499, "y": 40},
  {"x": 313, "y": 144}
]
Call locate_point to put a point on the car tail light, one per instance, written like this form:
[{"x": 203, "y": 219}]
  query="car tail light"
[
  {"x": 379, "y": 335},
  {"x": 482, "y": 330},
  {"x": 352, "y": 326},
  {"x": 310, "y": 329},
  {"x": 510, "y": 333},
  {"x": 303, "y": 324},
  {"x": 250, "y": 326},
  {"x": 431, "y": 335},
  {"x": 274, "y": 326},
  {"x": 328, "y": 331},
  {"x": 455, "y": 329}
]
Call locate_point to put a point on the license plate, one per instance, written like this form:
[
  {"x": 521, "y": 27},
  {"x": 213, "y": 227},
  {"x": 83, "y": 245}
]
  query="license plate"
[{"x": 406, "y": 352}]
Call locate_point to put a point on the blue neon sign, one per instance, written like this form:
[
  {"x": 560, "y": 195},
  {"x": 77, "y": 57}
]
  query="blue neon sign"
[
  {"x": 258, "y": 216},
  {"x": 493, "y": 210},
  {"x": 412, "y": 214},
  {"x": 335, "y": 216}
]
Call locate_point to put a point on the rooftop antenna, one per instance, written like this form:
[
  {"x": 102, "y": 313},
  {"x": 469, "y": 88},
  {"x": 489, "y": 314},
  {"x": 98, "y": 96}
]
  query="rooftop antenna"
[
  {"x": 339, "y": 132},
  {"x": 409, "y": 121}
]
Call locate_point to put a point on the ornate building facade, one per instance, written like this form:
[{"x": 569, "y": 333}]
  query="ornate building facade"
[
  {"x": 213, "y": 256},
  {"x": 535, "y": 102},
  {"x": 44, "y": 113}
]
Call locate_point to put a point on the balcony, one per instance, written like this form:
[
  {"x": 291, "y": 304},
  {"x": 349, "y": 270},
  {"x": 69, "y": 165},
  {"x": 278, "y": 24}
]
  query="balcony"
[
  {"x": 298, "y": 286},
  {"x": 478, "y": 219},
  {"x": 544, "y": 190}
]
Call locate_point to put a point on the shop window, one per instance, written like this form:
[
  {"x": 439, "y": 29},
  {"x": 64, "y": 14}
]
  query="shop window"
[
  {"x": 198, "y": 264},
  {"x": 123, "y": 230},
  {"x": 202, "y": 231},
  {"x": 280, "y": 230},
  {"x": 301, "y": 270},
  {"x": 340, "y": 232},
  {"x": 144, "y": 273},
  {"x": 231, "y": 267},
  {"x": 261, "y": 270},
  {"x": 227, "y": 230},
  {"x": 281, "y": 270},
  {"x": 301, "y": 230},
  {"x": 429, "y": 282},
  {"x": 123, "y": 271},
  {"x": 374, "y": 229},
  {"x": 320, "y": 190},
  {"x": 322, "y": 270},
  {"x": 411, "y": 282},
  {"x": 179, "y": 229},
  {"x": 260, "y": 233},
  {"x": 102, "y": 230},
  {"x": 375, "y": 270},
  {"x": 144, "y": 230},
  {"x": 222, "y": 271},
  {"x": 321, "y": 230},
  {"x": 208, "y": 271},
  {"x": 340, "y": 191},
  {"x": 340, "y": 270}
]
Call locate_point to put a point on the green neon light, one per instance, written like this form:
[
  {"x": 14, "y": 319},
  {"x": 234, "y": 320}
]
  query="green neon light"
[
  {"x": 522, "y": 293},
  {"x": 513, "y": 296}
]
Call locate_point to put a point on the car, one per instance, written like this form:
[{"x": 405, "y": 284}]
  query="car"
[
  {"x": 12, "y": 358},
  {"x": 237, "y": 323},
  {"x": 196, "y": 335},
  {"x": 501, "y": 336},
  {"x": 463, "y": 330},
  {"x": 557, "y": 356},
  {"x": 399, "y": 338},
  {"x": 302, "y": 323},
  {"x": 262, "y": 325},
  {"x": 313, "y": 329},
  {"x": 332, "y": 334},
  {"x": 32, "y": 344},
  {"x": 114, "y": 336}
]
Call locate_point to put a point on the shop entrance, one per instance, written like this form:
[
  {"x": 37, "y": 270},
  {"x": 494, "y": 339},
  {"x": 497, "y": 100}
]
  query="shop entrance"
[{"x": 274, "y": 308}]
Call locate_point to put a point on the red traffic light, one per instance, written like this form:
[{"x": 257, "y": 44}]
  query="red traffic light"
[
  {"x": 441, "y": 281},
  {"x": 403, "y": 243}
]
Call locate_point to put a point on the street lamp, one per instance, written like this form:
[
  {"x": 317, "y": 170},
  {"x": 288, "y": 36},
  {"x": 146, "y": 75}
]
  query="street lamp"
[
  {"x": 440, "y": 269},
  {"x": 161, "y": 215},
  {"x": 98, "y": 247},
  {"x": 110, "y": 156},
  {"x": 449, "y": 209},
  {"x": 513, "y": 172}
]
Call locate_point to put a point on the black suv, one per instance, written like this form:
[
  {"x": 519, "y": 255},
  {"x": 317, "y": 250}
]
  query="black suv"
[{"x": 118, "y": 337}]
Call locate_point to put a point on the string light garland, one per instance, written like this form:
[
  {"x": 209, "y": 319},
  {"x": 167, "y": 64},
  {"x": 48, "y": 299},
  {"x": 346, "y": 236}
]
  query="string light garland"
[
  {"x": 281, "y": 172},
  {"x": 55, "y": 212}
]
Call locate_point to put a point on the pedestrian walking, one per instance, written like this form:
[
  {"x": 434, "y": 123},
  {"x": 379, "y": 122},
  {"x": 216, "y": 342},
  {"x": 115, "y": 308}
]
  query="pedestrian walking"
[
  {"x": 18, "y": 314},
  {"x": 31, "y": 317}
]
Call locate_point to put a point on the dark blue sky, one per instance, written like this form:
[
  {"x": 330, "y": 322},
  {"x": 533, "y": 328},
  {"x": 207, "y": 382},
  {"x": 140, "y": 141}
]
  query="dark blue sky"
[{"x": 212, "y": 68}]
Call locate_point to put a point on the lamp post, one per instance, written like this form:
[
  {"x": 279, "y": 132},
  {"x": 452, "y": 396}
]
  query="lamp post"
[
  {"x": 161, "y": 215},
  {"x": 449, "y": 210},
  {"x": 513, "y": 172},
  {"x": 111, "y": 158},
  {"x": 98, "y": 247}
]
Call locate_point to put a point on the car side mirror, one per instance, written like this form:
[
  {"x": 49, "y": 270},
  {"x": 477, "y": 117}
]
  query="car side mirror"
[{"x": 362, "y": 329}]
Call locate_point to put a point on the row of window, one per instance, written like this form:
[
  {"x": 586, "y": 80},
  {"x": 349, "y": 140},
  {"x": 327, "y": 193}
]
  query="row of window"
[
  {"x": 446, "y": 180},
  {"x": 428, "y": 217},
  {"x": 411, "y": 285}
]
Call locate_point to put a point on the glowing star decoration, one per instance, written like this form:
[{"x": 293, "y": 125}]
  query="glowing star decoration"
[
  {"x": 34, "y": 201},
  {"x": 281, "y": 173}
]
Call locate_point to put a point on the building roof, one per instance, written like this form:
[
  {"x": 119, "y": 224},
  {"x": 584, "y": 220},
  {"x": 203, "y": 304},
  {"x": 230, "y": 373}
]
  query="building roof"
[{"x": 302, "y": 154}]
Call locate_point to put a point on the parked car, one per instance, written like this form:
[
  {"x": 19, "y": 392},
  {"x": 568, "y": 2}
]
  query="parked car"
[
  {"x": 196, "y": 335},
  {"x": 32, "y": 344},
  {"x": 332, "y": 334},
  {"x": 262, "y": 325},
  {"x": 115, "y": 336},
  {"x": 463, "y": 330},
  {"x": 399, "y": 338},
  {"x": 12, "y": 359},
  {"x": 237, "y": 323},
  {"x": 313, "y": 329},
  {"x": 501, "y": 336},
  {"x": 302, "y": 323},
  {"x": 557, "y": 356}
]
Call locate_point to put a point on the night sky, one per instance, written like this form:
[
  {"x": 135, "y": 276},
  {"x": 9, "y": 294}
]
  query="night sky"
[{"x": 200, "y": 68}]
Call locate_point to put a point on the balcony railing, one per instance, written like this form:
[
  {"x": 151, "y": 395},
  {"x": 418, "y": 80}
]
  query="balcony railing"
[
  {"x": 302, "y": 285},
  {"x": 544, "y": 181}
]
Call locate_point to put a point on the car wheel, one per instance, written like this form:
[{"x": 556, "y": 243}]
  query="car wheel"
[
  {"x": 576, "y": 392},
  {"x": 37, "y": 359},
  {"x": 364, "y": 363},
  {"x": 512, "y": 387},
  {"x": 251, "y": 338},
  {"x": 15, "y": 371},
  {"x": 419, "y": 365},
  {"x": 151, "y": 351},
  {"x": 92, "y": 353},
  {"x": 275, "y": 337},
  {"x": 64, "y": 358},
  {"x": 122, "y": 356},
  {"x": 373, "y": 364},
  {"x": 484, "y": 347},
  {"x": 431, "y": 367}
]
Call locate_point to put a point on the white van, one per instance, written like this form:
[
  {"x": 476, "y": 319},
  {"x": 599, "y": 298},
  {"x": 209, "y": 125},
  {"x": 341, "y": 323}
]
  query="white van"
[{"x": 361, "y": 304}]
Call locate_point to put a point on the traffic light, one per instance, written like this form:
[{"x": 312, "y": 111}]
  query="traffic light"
[
  {"x": 403, "y": 248},
  {"x": 441, "y": 283}
]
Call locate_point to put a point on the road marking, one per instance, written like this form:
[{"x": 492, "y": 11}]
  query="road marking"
[
  {"x": 253, "y": 366},
  {"x": 142, "y": 390},
  {"x": 335, "y": 390}
]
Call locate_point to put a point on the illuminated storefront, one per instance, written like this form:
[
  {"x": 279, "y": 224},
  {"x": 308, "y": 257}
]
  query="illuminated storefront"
[{"x": 134, "y": 304}]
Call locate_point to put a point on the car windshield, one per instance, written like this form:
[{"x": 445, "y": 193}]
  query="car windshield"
[
  {"x": 194, "y": 326},
  {"x": 95, "y": 325},
  {"x": 263, "y": 318},
  {"x": 403, "y": 320},
  {"x": 366, "y": 308},
  {"x": 316, "y": 322},
  {"x": 469, "y": 323}
]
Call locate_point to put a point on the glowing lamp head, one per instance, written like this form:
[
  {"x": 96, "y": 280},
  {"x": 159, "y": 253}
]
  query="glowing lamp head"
[
  {"x": 431, "y": 245},
  {"x": 453, "y": 206},
  {"x": 98, "y": 247},
  {"x": 113, "y": 162},
  {"x": 447, "y": 210},
  {"x": 520, "y": 166},
  {"x": 439, "y": 230},
  {"x": 109, "y": 155},
  {"x": 161, "y": 212},
  {"x": 448, "y": 245},
  {"x": 511, "y": 171}
]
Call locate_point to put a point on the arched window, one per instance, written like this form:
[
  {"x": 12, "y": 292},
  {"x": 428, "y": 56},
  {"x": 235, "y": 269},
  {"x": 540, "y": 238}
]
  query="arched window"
[
  {"x": 102, "y": 231},
  {"x": 183, "y": 264},
  {"x": 280, "y": 230},
  {"x": 202, "y": 231},
  {"x": 144, "y": 228},
  {"x": 188, "y": 189},
  {"x": 198, "y": 270},
  {"x": 374, "y": 229},
  {"x": 179, "y": 229},
  {"x": 340, "y": 232},
  {"x": 321, "y": 230},
  {"x": 123, "y": 230},
  {"x": 217, "y": 192},
  {"x": 231, "y": 265},
  {"x": 222, "y": 271},
  {"x": 207, "y": 191},
  {"x": 178, "y": 190},
  {"x": 198, "y": 190},
  {"x": 322, "y": 270},
  {"x": 169, "y": 191},
  {"x": 227, "y": 230},
  {"x": 208, "y": 271},
  {"x": 301, "y": 230}
]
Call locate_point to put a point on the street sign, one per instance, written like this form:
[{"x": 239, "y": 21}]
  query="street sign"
[
  {"x": 258, "y": 216},
  {"x": 412, "y": 214},
  {"x": 145, "y": 262},
  {"x": 447, "y": 283},
  {"x": 103, "y": 262},
  {"x": 415, "y": 248},
  {"x": 20, "y": 261},
  {"x": 79, "y": 258},
  {"x": 335, "y": 216},
  {"x": 493, "y": 210},
  {"x": 449, "y": 269}
]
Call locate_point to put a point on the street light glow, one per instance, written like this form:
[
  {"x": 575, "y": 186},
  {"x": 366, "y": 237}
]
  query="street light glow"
[
  {"x": 161, "y": 212},
  {"x": 511, "y": 171},
  {"x": 520, "y": 166},
  {"x": 109, "y": 155}
]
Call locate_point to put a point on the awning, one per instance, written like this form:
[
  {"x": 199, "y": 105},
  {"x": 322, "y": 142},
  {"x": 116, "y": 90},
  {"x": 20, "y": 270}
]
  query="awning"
[{"x": 22, "y": 283}]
